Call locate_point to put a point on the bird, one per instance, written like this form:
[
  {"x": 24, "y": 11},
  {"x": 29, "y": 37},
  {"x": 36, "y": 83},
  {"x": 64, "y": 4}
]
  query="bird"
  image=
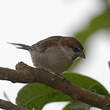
[{"x": 54, "y": 54}]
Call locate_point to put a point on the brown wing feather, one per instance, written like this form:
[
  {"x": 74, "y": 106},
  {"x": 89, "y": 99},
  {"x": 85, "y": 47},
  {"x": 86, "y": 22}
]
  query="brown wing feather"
[{"x": 44, "y": 44}]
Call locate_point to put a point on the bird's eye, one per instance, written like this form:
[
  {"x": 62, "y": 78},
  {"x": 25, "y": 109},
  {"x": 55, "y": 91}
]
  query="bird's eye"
[{"x": 75, "y": 49}]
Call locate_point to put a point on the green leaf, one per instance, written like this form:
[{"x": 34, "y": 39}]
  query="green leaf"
[
  {"x": 109, "y": 64},
  {"x": 77, "y": 105},
  {"x": 86, "y": 82},
  {"x": 37, "y": 95},
  {"x": 67, "y": 107},
  {"x": 99, "y": 22}
]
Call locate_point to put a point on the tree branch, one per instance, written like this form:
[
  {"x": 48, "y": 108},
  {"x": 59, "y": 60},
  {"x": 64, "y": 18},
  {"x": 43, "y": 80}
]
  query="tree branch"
[
  {"x": 9, "y": 106},
  {"x": 27, "y": 74}
]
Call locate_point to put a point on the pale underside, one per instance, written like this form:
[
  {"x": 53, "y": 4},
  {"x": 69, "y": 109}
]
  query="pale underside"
[{"x": 55, "y": 60}]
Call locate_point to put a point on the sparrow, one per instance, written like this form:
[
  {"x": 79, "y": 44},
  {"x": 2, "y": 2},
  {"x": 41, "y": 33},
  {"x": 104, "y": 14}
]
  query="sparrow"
[{"x": 54, "y": 54}]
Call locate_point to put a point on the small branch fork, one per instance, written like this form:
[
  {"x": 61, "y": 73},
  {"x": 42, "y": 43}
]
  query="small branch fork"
[{"x": 27, "y": 74}]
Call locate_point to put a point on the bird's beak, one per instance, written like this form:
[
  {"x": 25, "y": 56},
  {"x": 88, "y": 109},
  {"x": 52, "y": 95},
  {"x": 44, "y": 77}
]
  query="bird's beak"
[{"x": 81, "y": 54}]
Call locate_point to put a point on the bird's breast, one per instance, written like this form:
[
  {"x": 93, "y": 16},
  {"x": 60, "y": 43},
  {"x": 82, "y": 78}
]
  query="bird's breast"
[{"x": 53, "y": 59}]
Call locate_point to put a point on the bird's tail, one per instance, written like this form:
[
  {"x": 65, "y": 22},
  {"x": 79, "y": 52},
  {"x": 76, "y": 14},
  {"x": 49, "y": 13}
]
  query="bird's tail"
[{"x": 21, "y": 46}]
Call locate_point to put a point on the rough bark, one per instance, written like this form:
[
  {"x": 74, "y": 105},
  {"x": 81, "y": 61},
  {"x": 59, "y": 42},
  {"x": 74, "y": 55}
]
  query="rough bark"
[{"x": 27, "y": 74}]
